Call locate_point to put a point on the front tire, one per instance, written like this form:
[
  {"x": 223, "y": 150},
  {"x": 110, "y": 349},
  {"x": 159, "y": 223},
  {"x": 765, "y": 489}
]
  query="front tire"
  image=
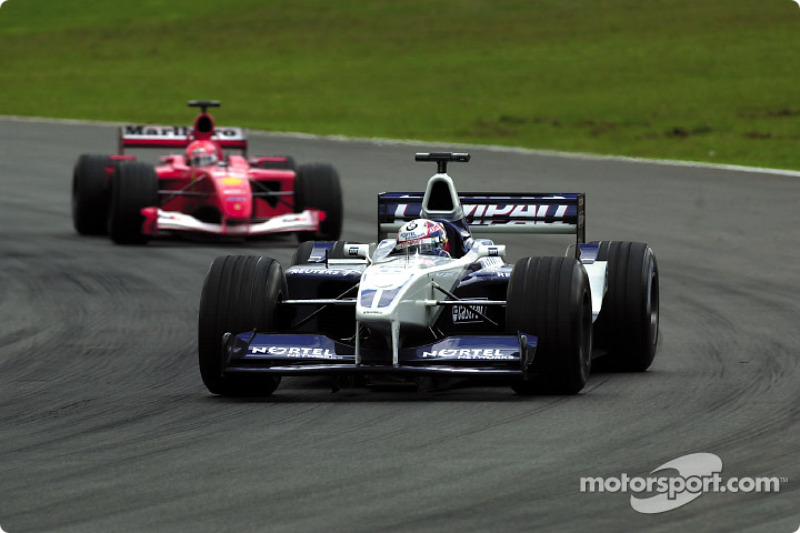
[
  {"x": 549, "y": 297},
  {"x": 317, "y": 186},
  {"x": 134, "y": 186},
  {"x": 240, "y": 294},
  {"x": 90, "y": 194},
  {"x": 627, "y": 326}
]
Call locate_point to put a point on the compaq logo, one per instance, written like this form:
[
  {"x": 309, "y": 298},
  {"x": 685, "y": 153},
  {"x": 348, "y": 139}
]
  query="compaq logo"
[
  {"x": 519, "y": 211},
  {"x": 484, "y": 213},
  {"x": 467, "y": 315}
]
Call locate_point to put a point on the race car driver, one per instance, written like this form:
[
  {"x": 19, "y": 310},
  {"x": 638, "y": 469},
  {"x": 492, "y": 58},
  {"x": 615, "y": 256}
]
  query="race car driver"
[
  {"x": 202, "y": 153},
  {"x": 422, "y": 236}
]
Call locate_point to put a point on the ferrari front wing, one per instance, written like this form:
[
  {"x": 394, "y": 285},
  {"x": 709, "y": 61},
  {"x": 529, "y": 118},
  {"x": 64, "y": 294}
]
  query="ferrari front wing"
[{"x": 157, "y": 220}]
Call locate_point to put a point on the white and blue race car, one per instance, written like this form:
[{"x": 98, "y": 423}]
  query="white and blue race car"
[{"x": 398, "y": 309}]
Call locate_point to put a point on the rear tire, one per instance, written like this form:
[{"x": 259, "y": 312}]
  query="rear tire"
[
  {"x": 549, "y": 297},
  {"x": 627, "y": 326},
  {"x": 240, "y": 293},
  {"x": 90, "y": 194},
  {"x": 134, "y": 186},
  {"x": 317, "y": 186}
]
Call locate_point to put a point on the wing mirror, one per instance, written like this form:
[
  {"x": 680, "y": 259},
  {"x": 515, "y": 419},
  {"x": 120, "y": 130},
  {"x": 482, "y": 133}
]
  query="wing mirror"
[
  {"x": 357, "y": 251},
  {"x": 492, "y": 250}
]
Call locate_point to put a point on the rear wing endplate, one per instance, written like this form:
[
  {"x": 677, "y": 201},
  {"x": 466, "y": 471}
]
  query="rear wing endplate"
[{"x": 548, "y": 213}]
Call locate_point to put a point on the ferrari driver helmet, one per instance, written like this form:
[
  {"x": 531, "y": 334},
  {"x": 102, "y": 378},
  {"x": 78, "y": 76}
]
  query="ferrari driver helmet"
[
  {"x": 423, "y": 237},
  {"x": 201, "y": 153}
]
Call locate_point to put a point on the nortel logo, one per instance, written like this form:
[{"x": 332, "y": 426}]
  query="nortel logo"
[
  {"x": 291, "y": 351},
  {"x": 470, "y": 353}
]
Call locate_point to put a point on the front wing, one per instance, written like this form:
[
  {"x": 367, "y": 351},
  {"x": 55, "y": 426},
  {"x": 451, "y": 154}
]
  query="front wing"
[
  {"x": 312, "y": 354},
  {"x": 157, "y": 220}
]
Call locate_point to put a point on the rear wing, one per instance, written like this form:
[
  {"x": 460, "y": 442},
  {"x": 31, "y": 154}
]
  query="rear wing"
[
  {"x": 141, "y": 136},
  {"x": 547, "y": 213},
  {"x": 203, "y": 129}
]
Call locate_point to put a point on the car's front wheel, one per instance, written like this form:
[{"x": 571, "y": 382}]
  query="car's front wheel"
[
  {"x": 90, "y": 194},
  {"x": 549, "y": 297},
  {"x": 240, "y": 294},
  {"x": 317, "y": 187},
  {"x": 134, "y": 186}
]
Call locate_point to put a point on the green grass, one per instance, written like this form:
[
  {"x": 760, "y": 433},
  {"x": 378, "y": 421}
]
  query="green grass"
[{"x": 710, "y": 80}]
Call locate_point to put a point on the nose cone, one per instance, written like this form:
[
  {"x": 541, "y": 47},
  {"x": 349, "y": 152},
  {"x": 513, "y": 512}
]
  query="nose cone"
[
  {"x": 235, "y": 197},
  {"x": 237, "y": 207}
]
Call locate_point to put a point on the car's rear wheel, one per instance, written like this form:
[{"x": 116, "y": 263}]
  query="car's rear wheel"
[
  {"x": 90, "y": 194},
  {"x": 134, "y": 186},
  {"x": 240, "y": 294},
  {"x": 549, "y": 297},
  {"x": 627, "y": 326},
  {"x": 317, "y": 187}
]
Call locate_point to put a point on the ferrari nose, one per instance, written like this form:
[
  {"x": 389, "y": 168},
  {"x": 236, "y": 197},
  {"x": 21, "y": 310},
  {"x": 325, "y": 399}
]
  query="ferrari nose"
[
  {"x": 237, "y": 207},
  {"x": 235, "y": 197}
]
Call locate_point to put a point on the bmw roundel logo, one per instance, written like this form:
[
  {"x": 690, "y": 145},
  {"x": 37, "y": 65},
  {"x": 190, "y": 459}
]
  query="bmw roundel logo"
[{"x": 411, "y": 226}]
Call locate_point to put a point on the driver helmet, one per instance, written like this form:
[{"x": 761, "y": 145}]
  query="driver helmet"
[
  {"x": 423, "y": 237},
  {"x": 201, "y": 153}
]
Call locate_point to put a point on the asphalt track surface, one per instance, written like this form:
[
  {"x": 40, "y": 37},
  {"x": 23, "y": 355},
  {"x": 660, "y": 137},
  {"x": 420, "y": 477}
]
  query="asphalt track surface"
[{"x": 105, "y": 425}]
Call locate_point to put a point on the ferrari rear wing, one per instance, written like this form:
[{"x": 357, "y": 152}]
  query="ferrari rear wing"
[
  {"x": 549, "y": 213},
  {"x": 147, "y": 136}
]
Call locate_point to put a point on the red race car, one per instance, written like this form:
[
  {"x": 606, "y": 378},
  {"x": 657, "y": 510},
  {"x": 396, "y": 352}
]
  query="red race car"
[{"x": 203, "y": 190}]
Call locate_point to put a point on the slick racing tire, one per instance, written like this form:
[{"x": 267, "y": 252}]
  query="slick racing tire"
[
  {"x": 240, "y": 294},
  {"x": 549, "y": 297},
  {"x": 90, "y": 194},
  {"x": 303, "y": 252},
  {"x": 317, "y": 186},
  {"x": 627, "y": 326},
  {"x": 134, "y": 186}
]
